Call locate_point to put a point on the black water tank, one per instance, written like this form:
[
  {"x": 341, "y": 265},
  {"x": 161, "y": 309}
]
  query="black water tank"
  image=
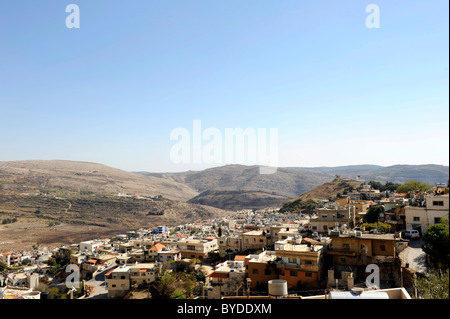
[{"x": 45, "y": 295}]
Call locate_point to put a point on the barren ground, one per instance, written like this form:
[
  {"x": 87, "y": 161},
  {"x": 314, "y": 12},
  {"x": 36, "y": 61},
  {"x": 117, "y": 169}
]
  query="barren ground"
[{"x": 22, "y": 235}]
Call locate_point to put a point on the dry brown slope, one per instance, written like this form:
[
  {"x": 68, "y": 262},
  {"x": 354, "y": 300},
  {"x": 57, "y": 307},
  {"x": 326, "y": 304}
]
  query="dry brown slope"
[
  {"x": 328, "y": 189},
  {"x": 85, "y": 176}
]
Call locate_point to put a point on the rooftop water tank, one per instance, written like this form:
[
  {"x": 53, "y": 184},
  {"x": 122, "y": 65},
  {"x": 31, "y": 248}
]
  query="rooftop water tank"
[{"x": 278, "y": 288}]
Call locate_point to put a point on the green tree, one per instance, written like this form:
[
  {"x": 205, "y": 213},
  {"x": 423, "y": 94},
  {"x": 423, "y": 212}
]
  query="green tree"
[
  {"x": 167, "y": 284},
  {"x": 373, "y": 213},
  {"x": 26, "y": 261},
  {"x": 412, "y": 186},
  {"x": 177, "y": 294},
  {"x": 436, "y": 244},
  {"x": 381, "y": 227},
  {"x": 434, "y": 285}
]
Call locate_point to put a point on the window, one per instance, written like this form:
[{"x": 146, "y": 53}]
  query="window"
[
  {"x": 122, "y": 277},
  {"x": 308, "y": 274},
  {"x": 267, "y": 272},
  {"x": 260, "y": 240},
  {"x": 416, "y": 219},
  {"x": 383, "y": 247},
  {"x": 292, "y": 260},
  {"x": 345, "y": 246},
  {"x": 438, "y": 203},
  {"x": 314, "y": 228},
  {"x": 343, "y": 260},
  {"x": 255, "y": 271},
  {"x": 293, "y": 273},
  {"x": 113, "y": 286},
  {"x": 437, "y": 220},
  {"x": 325, "y": 227},
  {"x": 324, "y": 216},
  {"x": 309, "y": 262}
]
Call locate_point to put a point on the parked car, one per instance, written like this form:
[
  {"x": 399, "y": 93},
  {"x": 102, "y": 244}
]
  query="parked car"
[{"x": 411, "y": 233}]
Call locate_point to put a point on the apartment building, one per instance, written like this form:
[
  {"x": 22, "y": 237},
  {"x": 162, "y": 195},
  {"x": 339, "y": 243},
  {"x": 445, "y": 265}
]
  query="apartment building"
[
  {"x": 196, "y": 248},
  {"x": 89, "y": 246},
  {"x": 368, "y": 192},
  {"x": 163, "y": 253},
  {"x": 260, "y": 268},
  {"x": 118, "y": 282},
  {"x": 169, "y": 254},
  {"x": 422, "y": 217},
  {"x": 299, "y": 263},
  {"x": 282, "y": 232},
  {"x": 328, "y": 218},
  {"x": 343, "y": 201},
  {"x": 142, "y": 273},
  {"x": 226, "y": 279},
  {"x": 355, "y": 249},
  {"x": 230, "y": 243},
  {"x": 254, "y": 239}
]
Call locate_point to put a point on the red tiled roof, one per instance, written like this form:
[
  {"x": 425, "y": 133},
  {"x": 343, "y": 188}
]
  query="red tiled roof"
[
  {"x": 157, "y": 247},
  {"x": 109, "y": 272},
  {"x": 310, "y": 240},
  {"x": 94, "y": 261},
  {"x": 218, "y": 275},
  {"x": 239, "y": 258}
]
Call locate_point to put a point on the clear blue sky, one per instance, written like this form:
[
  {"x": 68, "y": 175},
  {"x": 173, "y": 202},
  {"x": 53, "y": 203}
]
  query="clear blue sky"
[{"x": 114, "y": 89}]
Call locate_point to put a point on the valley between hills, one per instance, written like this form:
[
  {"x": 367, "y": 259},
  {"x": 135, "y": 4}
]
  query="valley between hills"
[{"x": 57, "y": 202}]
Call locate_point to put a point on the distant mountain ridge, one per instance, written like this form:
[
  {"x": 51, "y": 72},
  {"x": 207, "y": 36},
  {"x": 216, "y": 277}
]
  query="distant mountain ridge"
[
  {"x": 426, "y": 173},
  {"x": 224, "y": 187},
  {"x": 220, "y": 185}
]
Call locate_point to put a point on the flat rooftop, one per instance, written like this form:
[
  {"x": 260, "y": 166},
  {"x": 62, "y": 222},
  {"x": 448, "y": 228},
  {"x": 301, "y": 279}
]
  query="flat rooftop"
[
  {"x": 371, "y": 236},
  {"x": 299, "y": 247}
]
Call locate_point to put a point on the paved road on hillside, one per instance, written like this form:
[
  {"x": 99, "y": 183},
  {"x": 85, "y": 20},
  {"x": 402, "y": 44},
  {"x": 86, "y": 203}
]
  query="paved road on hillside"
[
  {"x": 415, "y": 256},
  {"x": 99, "y": 283}
]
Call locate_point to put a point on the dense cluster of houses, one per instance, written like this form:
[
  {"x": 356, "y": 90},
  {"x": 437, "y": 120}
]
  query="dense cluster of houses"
[{"x": 326, "y": 249}]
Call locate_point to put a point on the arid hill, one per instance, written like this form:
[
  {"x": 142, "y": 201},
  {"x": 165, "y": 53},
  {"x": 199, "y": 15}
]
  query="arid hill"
[
  {"x": 285, "y": 181},
  {"x": 328, "y": 189},
  {"x": 57, "y": 202},
  {"x": 85, "y": 177},
  {"x": 236, "y": 200}
]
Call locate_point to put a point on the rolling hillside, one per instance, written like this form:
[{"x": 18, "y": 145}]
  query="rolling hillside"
[
  {"x": 285, "y": 182},
  {"x": 36, "y": 176},
  {"x": 236, "y": 200},
  {"x": 428, "y": 173}
]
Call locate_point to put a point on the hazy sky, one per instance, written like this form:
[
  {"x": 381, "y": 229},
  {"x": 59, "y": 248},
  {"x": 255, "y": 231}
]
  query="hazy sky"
[{"x": 113, "y": 90}]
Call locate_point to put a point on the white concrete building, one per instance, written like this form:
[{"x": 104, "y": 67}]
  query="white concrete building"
[{"x": 421, "y": 217}]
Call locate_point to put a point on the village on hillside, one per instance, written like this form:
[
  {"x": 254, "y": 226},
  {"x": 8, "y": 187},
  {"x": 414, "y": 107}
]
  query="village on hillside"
[{"x": 366, "y": 243}]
